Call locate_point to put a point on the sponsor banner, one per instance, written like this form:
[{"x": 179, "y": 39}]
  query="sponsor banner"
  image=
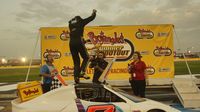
[
  {"x": 154, "y": 42},
  {"x": 29, "y": 90}
]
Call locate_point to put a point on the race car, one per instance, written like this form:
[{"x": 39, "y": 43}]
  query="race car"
[{"x": 89, "y": 97}]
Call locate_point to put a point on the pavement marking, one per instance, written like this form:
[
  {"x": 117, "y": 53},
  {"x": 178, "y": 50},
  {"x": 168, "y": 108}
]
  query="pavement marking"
[
  {"x": 3, "y": 83},
  {"x": 8, "y": 87},
  {"x": 1, "y": 107}
]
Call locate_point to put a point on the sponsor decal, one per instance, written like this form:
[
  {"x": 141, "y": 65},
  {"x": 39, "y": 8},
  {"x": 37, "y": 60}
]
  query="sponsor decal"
[
  {"x": 67, "y": 71},
  {"x": 30, "y": 92},
  {"x": 163, "y": 34},
  {"x": 49, "y": 37},
  {"x": 150, "y": 70},
  {"x": 114, "y": 47},
  {"x": 162, "y": 51},
  {"x": 102, "y": 38},
  {"x": 79, "y": 105},
  {"x": 101, "y": 108},
  {"x": 119, "y": 70},
  {"x": 64, "y": 35},
  {"x": 55, "y": 53},
  {"x": 144, "y": 52},
  {"x": 115, "y": 70},
  {"x": 164, "y": 69},
  {"x": 144, "y": 34},
  {"x": 67, "y": 54}
]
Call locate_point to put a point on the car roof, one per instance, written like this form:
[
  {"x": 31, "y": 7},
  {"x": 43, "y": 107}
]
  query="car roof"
[{"x": 89, "y": 85}]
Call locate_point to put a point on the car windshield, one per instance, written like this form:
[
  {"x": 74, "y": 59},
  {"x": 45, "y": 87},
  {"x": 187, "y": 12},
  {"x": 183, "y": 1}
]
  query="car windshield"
[
  {"x": 130, "y": 97},
  {"x": 96, "y": 93}
]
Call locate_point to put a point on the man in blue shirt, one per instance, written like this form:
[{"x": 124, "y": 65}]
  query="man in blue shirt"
[{"x": 46, "y": 72}]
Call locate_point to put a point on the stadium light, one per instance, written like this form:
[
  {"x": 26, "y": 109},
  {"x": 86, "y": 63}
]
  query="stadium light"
[
  {"x": 3, "y": 60},
  {"x": 23, "y": 59}
]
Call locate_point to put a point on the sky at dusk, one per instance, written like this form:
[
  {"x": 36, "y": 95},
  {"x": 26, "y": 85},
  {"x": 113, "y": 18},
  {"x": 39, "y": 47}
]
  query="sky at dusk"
[{"x": 21, "y": 19}]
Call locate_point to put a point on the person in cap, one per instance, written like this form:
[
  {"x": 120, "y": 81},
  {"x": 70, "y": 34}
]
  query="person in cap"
[{"x": 46, "y": 71}]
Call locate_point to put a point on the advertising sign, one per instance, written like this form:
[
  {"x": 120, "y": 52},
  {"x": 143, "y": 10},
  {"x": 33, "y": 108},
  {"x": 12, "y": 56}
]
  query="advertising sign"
[
  {"x": 29, "y": 90},
  {"x": 154, "y": 42}
]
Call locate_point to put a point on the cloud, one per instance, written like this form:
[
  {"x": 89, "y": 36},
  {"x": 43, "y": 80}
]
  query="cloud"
[
  {"x": 19, "y": 48},
  {"x": 33, "y": 14},
  {"x": 43, "y": 11}
]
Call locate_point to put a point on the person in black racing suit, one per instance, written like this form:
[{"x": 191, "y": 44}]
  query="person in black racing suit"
[
  {"x": 77, "y": 45},
  {"x": 99, "y": 64}
]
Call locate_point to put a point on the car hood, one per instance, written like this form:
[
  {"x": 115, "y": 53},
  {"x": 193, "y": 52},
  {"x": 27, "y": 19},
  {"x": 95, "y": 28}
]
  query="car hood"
[{"x": 150, "y": 104}]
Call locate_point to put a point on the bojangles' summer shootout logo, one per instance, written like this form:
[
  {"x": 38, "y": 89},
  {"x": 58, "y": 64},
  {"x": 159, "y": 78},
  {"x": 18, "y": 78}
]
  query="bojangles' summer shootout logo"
[
  {"x": 113, "y": 46},
  {"x": 162, "y": 51},
  {"x": 64, "y": 35},
  {"x": 150, "y": 70},
  {"x": 67, "y": 71},
  {"x": 144, "y": 34},
  {"x": 55, "y": 53}
]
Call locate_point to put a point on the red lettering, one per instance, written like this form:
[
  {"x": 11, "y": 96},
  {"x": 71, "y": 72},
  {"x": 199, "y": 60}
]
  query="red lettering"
[
  {"x": 28, "y": 92},
  {"x": 102, "y": 108},
  {"x": 101, "y": 38}
]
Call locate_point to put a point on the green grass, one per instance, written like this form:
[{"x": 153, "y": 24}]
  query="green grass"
[
  {"x": 19, "y": 74},
  {"x": 181, "y": 68}
]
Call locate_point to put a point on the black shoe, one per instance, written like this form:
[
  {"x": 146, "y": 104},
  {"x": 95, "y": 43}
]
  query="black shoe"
[
  {"x": 76, "y": 79},
  {"x": 83, "y": 75},
  {"x": 105, "y": 83}
]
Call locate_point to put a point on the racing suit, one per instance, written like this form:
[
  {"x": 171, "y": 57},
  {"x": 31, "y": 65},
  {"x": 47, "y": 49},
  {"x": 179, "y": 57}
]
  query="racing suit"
[
  {"x": 76, "y": 44},
  {"x": 97, "y": 73}
]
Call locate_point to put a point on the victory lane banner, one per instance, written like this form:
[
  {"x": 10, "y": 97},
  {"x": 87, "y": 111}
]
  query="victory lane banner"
[{"x": 154, "y": 42}]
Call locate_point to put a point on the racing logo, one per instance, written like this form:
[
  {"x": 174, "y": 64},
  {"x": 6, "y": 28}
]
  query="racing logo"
[
  {"x": 67, "y": 71},
  {"x": 55, "y": 53},
  {"x": 49, "y": 37},
  {"x": 145, "y": 52},
  {"x": 164, "y": 69},
  {"x": 31, "y": 91},
  {"x": 101, "y": 38},
  {"x": 114, "y": 47},
  {"x": 150, "y": 70},
  {"x": 144, "y": 34},
  {"x": 64, "y": 35},
  {"x": 161, "y": 51},
  {"x": 163, "y": 34},
  {"x": 67, "y": 54}
]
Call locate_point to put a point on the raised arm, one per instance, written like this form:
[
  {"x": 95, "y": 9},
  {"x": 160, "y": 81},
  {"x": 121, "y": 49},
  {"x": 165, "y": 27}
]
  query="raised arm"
[{"x": 90, "y": 18}]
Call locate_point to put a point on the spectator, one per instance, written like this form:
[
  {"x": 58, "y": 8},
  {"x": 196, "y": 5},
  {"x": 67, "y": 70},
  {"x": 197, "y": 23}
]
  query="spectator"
[
  {"x": 46, "y": 73},
  {"x": 138, "y": 78}
]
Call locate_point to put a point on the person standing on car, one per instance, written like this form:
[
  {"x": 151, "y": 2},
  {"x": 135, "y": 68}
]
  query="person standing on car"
[
  {"x": 138, "y": 78},
  {"x": 47, "y": 72},
  {"x": 99, "y": 64},
  {"x": 77, "y": 45}
]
